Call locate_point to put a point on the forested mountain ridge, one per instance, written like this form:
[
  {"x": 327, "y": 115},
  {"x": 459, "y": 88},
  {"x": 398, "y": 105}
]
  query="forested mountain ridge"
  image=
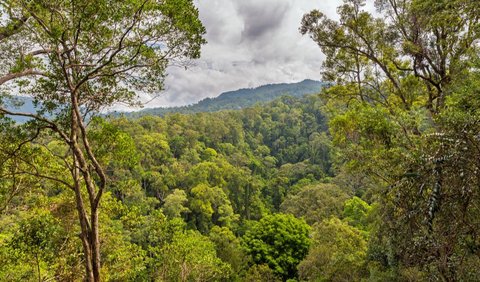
[
  {"x": 231, "y": 100},
  {"x": 239, "y": 99}
]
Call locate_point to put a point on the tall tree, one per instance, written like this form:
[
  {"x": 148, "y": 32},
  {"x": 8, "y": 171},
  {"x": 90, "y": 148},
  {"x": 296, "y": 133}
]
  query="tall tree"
[
  {"x": 78, "y": 57},
  {"x": 400, "y": 74},
  {"x": 412, "y": 45}
]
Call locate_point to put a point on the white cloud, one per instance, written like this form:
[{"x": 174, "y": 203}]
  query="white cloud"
[{"x": 250, "y": 43}]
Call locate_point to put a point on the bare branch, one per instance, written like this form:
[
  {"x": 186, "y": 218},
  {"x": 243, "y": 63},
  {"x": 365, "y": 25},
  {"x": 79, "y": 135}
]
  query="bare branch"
[{"x": 27, "y": 72}]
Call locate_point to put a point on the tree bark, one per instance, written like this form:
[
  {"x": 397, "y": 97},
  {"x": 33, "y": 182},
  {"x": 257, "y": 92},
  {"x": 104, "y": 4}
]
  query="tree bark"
[{"x": 82, "y": 176}]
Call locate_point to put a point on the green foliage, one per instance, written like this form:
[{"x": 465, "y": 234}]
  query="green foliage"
[
  {"x": 206, "y": 172},
  {"x": 280, "y": 241},
  {"x": 316, "y": 202},
  {"x": 155, "y": 148},
  {"x": 191, "y": 257},
  {"x": 402, "y": 115},
  {"x": 75, "y": 59},
  {"x": 239, "y": 152},
  {"x": 337, "y": 253},
  {"x": 230, "y": 251},
  {"x": 439, "y": 188},
  {"x": 196, "y": 197},
  {"x": 38, "y": 239},
  {"x": 261, "y": 272},
  {"x": 356, "y": 213},
  {"x": 166, "y": 199},
  {"x": 210, "y": 205},
  {"x": 111, "y": 144},
  {"x": 35, "y": 236},
  {"x": 175, "y": 204},
  {"x": 122, "y": 259},
  {"x": 39, "y": 243}
]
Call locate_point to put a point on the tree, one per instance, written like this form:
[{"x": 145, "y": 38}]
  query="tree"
[
  {"x": 441, "y": 188},
  {"x": 400, "y": 76},
  {"x": 337, "y": 253},
  {"x": 413, "y": 48},
  {"x": 261, "y": 272},
  {"x": 209, "y": 206},
  {"x": 192, "y": 257},
  {"x": 356, "y": 213},
  {"x": 281, "y": 241},
  {"x": 36, "y": 237},
  {"x": 14, "y": 161},
  {"x": 314, "y": 203},
  {"x": 229, "y": 250},
  {"x": 78, "y": 57},
  {"x": 175, "y": 204}
]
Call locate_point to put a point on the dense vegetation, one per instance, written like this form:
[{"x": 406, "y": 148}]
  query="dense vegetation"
[
  {"x": 239, "y": 99},
  {"x": 374, "y": 179},
  {"x": 178, "y": 181}
]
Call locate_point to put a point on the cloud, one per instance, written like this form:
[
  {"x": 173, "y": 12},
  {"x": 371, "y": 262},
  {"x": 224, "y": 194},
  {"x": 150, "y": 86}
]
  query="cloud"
[
  {"x": 250, "y": 43},
  {"x": 261, "y": 18}
]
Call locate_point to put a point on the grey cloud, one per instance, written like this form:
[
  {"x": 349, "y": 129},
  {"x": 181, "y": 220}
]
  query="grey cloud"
[
  {"x": 261, "y": 17},
  {"x": 222, "y": 21}
]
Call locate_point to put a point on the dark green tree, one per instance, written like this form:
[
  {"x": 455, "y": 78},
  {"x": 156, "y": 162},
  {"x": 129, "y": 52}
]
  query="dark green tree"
[{"x": 280, "y": 241}]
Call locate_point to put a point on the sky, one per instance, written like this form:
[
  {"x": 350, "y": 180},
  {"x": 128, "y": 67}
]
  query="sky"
[{"x": 250, "y": 43}]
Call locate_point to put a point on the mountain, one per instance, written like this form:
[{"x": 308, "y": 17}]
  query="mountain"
[
  {"x": 231, "y": 100},
  {"x": 239, "y": 99}
]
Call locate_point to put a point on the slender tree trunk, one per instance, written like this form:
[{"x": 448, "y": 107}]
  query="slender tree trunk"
[
  {"x": 87, "y": 253},
  {"x": 95, "y": 246},
  {"x": 83, "y": 178},
  {"x": 89, "y": 234},
  {"x": 84, "y": 224}
]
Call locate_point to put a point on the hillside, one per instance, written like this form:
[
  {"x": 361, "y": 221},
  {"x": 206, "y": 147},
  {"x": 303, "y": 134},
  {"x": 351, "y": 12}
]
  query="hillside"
[
  {"x": 240, "y": 99},
  {"x": 187, "y": 184}
]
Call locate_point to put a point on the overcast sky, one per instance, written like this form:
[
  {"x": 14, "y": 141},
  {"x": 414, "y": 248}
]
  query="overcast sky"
[{"x": 250, "y": 43}]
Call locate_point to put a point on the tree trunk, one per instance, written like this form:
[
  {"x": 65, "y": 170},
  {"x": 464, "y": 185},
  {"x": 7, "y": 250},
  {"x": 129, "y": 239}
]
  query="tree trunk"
[
  {"x": 84, "y": 236},
  {"x": 90, "y": 241},
  {"x": 95, "y": 245},
  {"x": 84, "y": 225},
  {"x": 83, "y": 179}
]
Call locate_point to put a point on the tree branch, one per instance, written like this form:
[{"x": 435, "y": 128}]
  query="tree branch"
[
  {"x": 51, "y": 124},
  {"x": 14, "y": 28},
  {"x": 27, "y": 72}
]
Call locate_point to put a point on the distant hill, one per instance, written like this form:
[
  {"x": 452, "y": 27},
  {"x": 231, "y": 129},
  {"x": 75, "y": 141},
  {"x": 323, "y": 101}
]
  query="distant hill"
[
  {"x": 231, "y": 100},
  {"x": 239, "y": 99}
]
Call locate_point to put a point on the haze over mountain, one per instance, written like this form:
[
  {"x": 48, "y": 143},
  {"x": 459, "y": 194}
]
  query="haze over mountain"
[{"x": 231, "y": 100}]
